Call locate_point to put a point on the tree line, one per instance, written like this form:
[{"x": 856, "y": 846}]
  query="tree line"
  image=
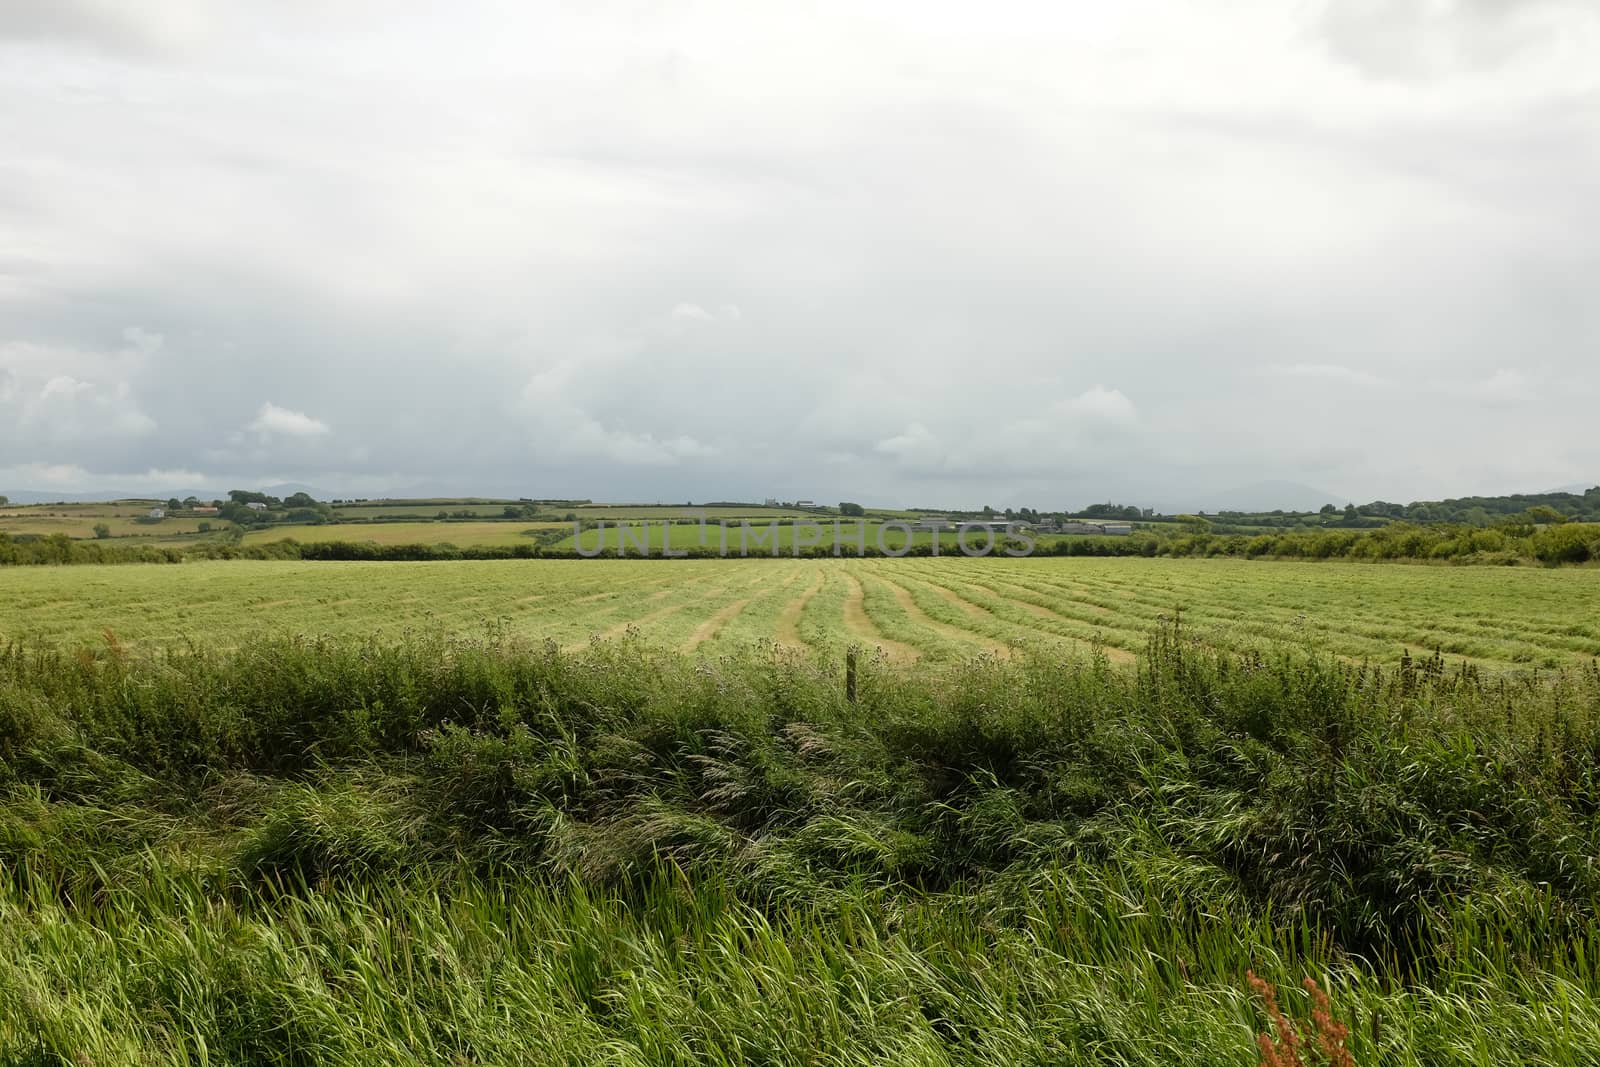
[{"x": 1567, "y": 543}]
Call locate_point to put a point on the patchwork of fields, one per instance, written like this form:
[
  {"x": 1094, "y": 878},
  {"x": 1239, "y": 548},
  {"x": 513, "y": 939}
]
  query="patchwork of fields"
[
  {"x": 915, "y": 609},
  {"x": 720, "y": 534}
]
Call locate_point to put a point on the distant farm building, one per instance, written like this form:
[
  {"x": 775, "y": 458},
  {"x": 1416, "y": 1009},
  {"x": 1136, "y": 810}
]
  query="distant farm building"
[
  {"x": 204, "y": 510},
  {"x": 256, "y": 505},
  {"x": 1093, "y": 529},
  {"x": 158, "y": 513}
]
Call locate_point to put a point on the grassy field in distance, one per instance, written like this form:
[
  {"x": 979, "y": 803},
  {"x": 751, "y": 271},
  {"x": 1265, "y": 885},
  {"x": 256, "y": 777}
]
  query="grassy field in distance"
[
  {"x": 418, "y": 510},
  {"x": 678, "y": 511},
  {"x": 915, "y": 608},
  {"x": 79, "y": 520},
  {"x": 467, "y": 533},
  {"x": 462, "y": 533},
  {"x": 758, "y": 540},
  {"x": 430, "y": 509}
]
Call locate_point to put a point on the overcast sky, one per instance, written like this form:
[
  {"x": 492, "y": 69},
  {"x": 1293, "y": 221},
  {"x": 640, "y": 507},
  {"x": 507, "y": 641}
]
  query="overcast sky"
[{"x": 908, "y": 253}]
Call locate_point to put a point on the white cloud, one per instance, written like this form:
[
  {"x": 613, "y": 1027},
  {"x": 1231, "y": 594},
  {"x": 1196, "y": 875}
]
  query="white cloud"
[
  {"x": 686, "y": 316},
  {"x": 71, "y": 477},
  {"x": 273, "y": 420},
  {"x": 692, "y": 313},
  {"x": 64, "y": 411},
  {"x": 1107, "y": 405},
  {"x": 44, "y": 476},
  {"x": 560, "y": 426},
  {"x": 1504, "y": 387},
  {"x": 915, "y": 442},
  {"x": 142, "y": 341},
  {"x": 64, "y": 385}
]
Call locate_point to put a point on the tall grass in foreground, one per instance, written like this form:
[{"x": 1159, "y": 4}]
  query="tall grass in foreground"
[{"x": 472, "y": 852}]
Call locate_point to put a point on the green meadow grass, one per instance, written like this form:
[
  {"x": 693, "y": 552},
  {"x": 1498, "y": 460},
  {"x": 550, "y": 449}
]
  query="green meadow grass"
[{"x": 444, "y": 850}]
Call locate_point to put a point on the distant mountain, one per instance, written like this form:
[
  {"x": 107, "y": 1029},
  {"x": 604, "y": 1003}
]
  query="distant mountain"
[
  {"x": 283, "y": 489},
  {"x": 52, "y": 496}
]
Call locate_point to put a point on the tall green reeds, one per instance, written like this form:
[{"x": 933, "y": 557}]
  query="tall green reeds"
[{"x": 474, "y": 852}]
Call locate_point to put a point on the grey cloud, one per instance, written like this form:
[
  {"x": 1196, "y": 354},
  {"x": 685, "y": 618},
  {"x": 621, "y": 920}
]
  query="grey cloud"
[
  {"x": 1423, "y": 39},
  {"x": 150, "y": 27}
]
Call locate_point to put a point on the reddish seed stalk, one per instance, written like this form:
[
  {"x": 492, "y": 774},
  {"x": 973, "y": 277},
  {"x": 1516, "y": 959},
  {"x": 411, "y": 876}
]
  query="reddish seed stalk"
[{"x": 1282, "y": 1045}]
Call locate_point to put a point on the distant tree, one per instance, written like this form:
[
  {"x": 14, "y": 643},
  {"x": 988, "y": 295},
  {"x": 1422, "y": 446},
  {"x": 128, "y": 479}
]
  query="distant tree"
[
  {"x": 190, "y": 501},
  {"x": 1328, "y": 509},
  {"x": 988, "y": 512},
  {"x": 173, "y": 504},
  {"x": 102, "y": 531},
  {"x": 242, "y": 515},
  {"x": 511, "y": 511},
  {"x": 1109, "y": 510},
  {"x": 1544, "y": 515},
  {"x": 205, "y": 527},
  {"x": 849, "y": 509},
  {"x": 1350, "y": 513},
  {"x": 4, "y": 500},
  {"x": 300, "y": 500}
]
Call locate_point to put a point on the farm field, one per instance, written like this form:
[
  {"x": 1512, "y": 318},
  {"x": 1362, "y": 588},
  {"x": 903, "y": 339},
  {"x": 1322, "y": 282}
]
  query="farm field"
[
  {"x": 462, "y": 534},
  {"x": 79, "y": 520},
  {"x": 915, "y": 609},
  {"x": 676, "y": 511},
  {"x": 683, "y": 536},
  {"x": 82, "y": 527},
  {"x": 494, "y": 509},
  {"x": 760, "y": 537},
  {"x": 418, "y": 509}
]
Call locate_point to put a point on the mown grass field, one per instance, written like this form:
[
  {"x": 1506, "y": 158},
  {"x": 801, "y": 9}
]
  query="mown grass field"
[
  {"x": 920, "y": 609},
  {"x": 757, "y": 537},
  {"x": 461, "y": 533}
]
